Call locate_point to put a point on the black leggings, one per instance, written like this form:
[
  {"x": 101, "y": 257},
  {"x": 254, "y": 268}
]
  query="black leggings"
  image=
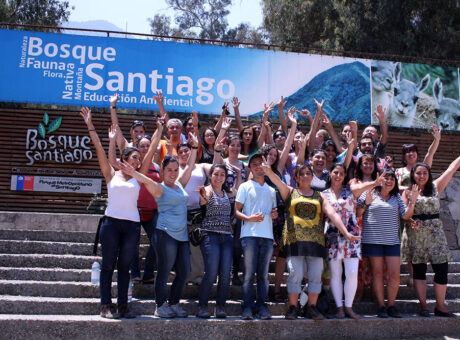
[{"x": 440, "y": 272}]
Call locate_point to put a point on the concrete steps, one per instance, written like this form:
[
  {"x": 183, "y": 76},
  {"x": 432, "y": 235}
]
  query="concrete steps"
[
  {"x": 85, "y": 326},
  {"x": 45, "y": 291}
]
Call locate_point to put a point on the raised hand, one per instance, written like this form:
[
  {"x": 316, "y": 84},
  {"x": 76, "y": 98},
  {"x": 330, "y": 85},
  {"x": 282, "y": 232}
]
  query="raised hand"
[
  {"x": 194, "y": 118},
  {"x": 319, "y": 106},
  {"x": 225, "y": 111},
  {"x": 436, "y": 132},
  {"x": 290, "y": 115},
  {"x": 114, "y": 99},
  {"x": 259, "y": 217},
  {"x": 126, "y": 168},
  {"x": 113, "y": 131},
  {"x": 380, "y": 113},
  {"x": 158, "y": 98},
  {"x": 413, "y": 193},
  {"x": 202, "y": 192},
  {"x": 169, "y": 146},
  {"x": 325, "y": 120},
  {"x": 86, "y": 114},
  {"x": 226, "y": 123},
  {"x": 281, "y": 104},
  {"x": 267, "y": 109},
  {"x": 379, "y": 180},
  {"x": 265, "y": 166},
  {"x": 353, "y": 126},
  {"x": 160, "y": 123},
  {"x": 192, "y": 140},
  {"x": 370, "y": 196},
  {"x": 235, "y": 103},
  {"x": 305, "y": 113}
]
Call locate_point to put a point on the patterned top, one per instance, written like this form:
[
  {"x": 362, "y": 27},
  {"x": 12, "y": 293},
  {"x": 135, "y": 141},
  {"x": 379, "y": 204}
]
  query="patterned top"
[
  {"x": 303, "y": 233},
  {"x": 217, "y": 217},
  {"x": 338, "y": 246},
  {"x": 428, "y": 242},
  {"x": 232, "y": 175}
]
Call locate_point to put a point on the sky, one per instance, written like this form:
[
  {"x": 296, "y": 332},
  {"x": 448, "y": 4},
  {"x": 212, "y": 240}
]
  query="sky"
[{"x": 131, "y": 16}]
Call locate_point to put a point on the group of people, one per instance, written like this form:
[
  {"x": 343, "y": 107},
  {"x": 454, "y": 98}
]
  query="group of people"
[{"x": 321, "y": 202}]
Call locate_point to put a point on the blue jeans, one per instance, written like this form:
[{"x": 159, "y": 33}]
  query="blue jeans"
[
  {"x": 257, "y": 252},
  {"x": 149, "y": 266},
  {"x": 171, "y": 252},
  {"x": 217, "y": 250},
  {"x": 118, "y": 243}
]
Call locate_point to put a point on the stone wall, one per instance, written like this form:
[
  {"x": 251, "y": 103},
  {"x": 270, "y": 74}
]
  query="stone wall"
[{"x": 450, "y": 215}]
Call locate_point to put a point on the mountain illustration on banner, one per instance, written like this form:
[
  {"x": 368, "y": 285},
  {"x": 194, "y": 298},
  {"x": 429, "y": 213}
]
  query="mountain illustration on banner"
[{"x": 345, "y": 89}]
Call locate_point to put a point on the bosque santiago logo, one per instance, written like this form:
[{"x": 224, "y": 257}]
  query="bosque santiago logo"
[{"x": 52, "y": 148}]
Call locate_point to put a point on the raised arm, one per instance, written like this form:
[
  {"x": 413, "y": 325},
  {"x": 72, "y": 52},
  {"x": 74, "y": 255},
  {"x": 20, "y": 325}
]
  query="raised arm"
[
  {"x": 268, "y": 133},
  {"x": 358, "y": 188},
  {"x": 287, "y": 145},
  {"x": 302, "y": 150},
  {"x": 284, "y": 189},
  {"x": 281, "y": 104},
  {"x": 159, "y": 100},
  {"x": 336, "y": 220},
  {"x": 114, "y": 130},
  {"x": 236, "y": 110},
  {"x": 330, "y": 129},
  {"x": 185, "y": 175},
  {"x": 266, "y": 113},
  {"x": 442, "y": 181},
  {"x": 107, "y": 171},
  {"x": 222, "y": 117},
  {"x": 153, "y": 187},
  {"x": 410, "y": 197},
  {"x": 238, "y": 180},
  {"x": 434, "y": 146},
  {"x": 121, "y": 141},
  {"x": 147, "y": 161},
  {"x": 383, "y": 125},
  {"x": 315, "y": 126},
  {"x": 306, "y": 113},
  {"x": 349, "y": 155}
]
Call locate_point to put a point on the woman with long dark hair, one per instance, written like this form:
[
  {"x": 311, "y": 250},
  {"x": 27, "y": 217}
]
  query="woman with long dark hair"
[
  {"x": 381, "y": 209},
  {"x": 217, "y": 245},
  {"x": 426, "y": 241},
  {"x": 121, "y": 225}
]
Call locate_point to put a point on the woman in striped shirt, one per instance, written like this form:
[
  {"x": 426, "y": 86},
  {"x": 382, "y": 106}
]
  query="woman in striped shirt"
[{"x": 381, "y": 208}]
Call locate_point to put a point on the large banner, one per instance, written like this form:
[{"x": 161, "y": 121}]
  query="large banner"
[{"x": 84, "y": 71}]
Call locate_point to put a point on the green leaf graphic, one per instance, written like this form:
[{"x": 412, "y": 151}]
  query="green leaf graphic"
[
  {"x": 41, "y": 130},
  {"x": 46, "y": 119},
  {"x": 55, "y": 124}
]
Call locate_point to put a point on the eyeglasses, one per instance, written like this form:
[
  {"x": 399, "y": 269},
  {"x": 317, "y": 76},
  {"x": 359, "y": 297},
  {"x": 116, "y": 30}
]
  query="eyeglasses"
[{"x": 145, "y": 136}]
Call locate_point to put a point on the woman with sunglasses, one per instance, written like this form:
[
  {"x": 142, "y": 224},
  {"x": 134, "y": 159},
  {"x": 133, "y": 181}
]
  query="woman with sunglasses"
[{"x": 426, "y": 241}]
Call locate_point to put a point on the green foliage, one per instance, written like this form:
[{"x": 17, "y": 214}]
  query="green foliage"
[
  {"x": 41, "y": 130},
  {"x": 423, "y": 28},
  {"x": 46, "y": 118},
  {"x": 204, "y": 19},
  {"x": 34, "y": 12}
]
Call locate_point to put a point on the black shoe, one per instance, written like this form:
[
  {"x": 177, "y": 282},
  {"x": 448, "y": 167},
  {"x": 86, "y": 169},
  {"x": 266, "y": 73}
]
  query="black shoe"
[
  {"x": 382, "y": 312},
  {"x": 393, "y": 312},
  {"x": 292, "y": 313},
  {"x": 313, "y": 313},
  {"x": 425, "y": 313},
  {"x": 437, "y": 312},
  {"x": 124, "y": 312}
]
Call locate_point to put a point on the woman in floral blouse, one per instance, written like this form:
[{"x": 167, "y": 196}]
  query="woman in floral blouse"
[{"x": 340, "y": 250}]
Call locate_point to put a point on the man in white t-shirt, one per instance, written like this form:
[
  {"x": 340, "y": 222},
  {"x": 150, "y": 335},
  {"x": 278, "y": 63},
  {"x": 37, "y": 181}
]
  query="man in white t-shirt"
[{"x": 255, "y": 205}]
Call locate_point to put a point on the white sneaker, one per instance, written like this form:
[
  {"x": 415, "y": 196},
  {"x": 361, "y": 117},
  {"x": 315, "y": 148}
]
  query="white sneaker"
[
  {"x": 165, "y": 311},
  {"x": 179, "y": 311}
]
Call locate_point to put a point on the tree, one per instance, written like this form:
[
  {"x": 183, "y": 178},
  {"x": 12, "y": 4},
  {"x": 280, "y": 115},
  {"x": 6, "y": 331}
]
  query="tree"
[
  {"x": 34, "y": 12},
  {"x": 204, "y": 19},
  {"x": 411, "y": 28}
]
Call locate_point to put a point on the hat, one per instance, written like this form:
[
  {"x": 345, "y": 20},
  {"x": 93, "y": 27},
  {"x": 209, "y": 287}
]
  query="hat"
[{"x": 254, "y": 156}]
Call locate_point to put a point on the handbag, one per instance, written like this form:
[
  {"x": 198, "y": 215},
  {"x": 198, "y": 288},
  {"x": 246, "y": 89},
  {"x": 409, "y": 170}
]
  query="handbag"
[{"x": 194, "y": 220}]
